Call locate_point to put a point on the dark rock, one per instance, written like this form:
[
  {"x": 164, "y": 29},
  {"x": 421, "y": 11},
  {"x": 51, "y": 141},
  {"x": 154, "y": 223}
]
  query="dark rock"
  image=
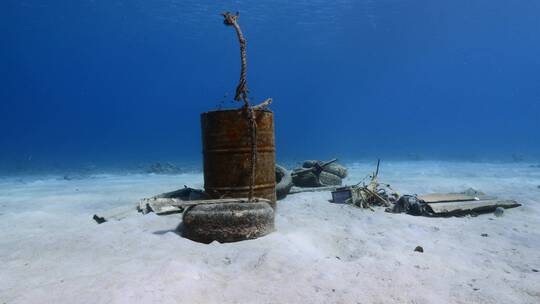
[
  {"x": 99, "y": 219},
  {"x": 534, "y": 270},
  {"x": 484, "y": 235},
  {"x": 419, "y": 249}
]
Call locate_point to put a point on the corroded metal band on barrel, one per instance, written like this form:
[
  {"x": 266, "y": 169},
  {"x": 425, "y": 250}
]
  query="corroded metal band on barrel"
[{"x": 243, "y": 150}]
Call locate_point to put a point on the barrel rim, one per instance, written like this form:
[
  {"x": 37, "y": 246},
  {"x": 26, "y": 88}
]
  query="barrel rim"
[{"x": 235, "y": 110}]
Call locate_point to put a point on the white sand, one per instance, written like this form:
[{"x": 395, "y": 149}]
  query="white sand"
[{"x": 52, "y": 252}]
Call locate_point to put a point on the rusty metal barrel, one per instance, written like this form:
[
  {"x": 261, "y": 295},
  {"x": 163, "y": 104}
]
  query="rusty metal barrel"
[{"x": 227, "y": 154}]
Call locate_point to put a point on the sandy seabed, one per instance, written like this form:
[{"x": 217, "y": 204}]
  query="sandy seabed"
[{"x": 51, "y": 250}]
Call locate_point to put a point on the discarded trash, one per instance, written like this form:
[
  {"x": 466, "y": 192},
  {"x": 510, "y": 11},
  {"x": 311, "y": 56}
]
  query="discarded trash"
[
  {"x": 296, "y": 190},
  {"x": 499, "y": 211},
  {"x": 419, "y": 249},
  {"x": 408, "y": 204},
  {"x": 116, "y": 214},
  {"x": 316, "y": 173},
  {"x": 284, "y": 182},
  {"x": 241, "y": 184},
  {"x": 186, "y": 194},
  {"x": 366, "y": 195},
  {"x": 451, "y": 204},
  {"x": 468, "y": 207},
  {"x": 238, "y": 145},
  {"x": 166, "y": 206},
  {"x": 228, "y": 222},
  {"x": 331, "y": 167}
]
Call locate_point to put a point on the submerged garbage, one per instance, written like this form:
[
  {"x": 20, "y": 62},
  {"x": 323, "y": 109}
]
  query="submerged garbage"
[
  {"x": 366, "y": 195},
  {"x": 451, "y": 204},
  {"x": 316, "y": 173},
  {"x": 374, "y": 193}
]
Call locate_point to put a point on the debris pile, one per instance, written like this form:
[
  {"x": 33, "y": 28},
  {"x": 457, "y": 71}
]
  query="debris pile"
[
  {"x": 284, "y": 182},
  {"x": 468, "y": 202},
  {"x": 316, "y": 173},
  {"x": 366, "y": 195}
]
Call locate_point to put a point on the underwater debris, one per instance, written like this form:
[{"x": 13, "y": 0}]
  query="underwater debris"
[
  {"x": 366, "y": 195},
  {"x": 228, "y": 222},
  {"x": 227, "y": 158},
  {"x": 419, "y": 249},
  {"x": 284, "y": 182},
  {"x": 222, "y": 212},
  {"x": 186, "y": 194},
  {"x": 117, "y": 214},
  {"x": 315, "y": 173},
  {"x": 255, "y": 117},
  {"x": 447, "y": 205}
]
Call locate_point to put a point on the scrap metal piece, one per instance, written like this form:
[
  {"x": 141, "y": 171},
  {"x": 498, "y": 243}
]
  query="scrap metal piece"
[{"x": 468, "y": 207}]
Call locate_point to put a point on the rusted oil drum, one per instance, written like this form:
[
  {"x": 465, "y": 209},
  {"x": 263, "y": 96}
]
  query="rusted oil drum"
[{"x": 227, "y": 154}]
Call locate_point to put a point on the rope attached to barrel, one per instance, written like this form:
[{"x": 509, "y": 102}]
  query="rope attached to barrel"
[{"x": 242, "y": 95}]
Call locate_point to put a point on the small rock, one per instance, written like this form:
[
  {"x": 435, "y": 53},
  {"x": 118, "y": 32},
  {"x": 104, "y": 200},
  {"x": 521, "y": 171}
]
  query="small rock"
[
  {"x": 534, "y": 270},
  {"x": 538, "y": 187},
  {"x": 499, "y": 212},
  {"x": 99, "y": 219},
  {"x": 419, "y": 249},
  {"x": 484, "y": 235}
]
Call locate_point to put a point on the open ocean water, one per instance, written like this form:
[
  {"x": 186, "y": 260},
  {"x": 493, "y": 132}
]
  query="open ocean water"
[{"x": 121, "y": 84}]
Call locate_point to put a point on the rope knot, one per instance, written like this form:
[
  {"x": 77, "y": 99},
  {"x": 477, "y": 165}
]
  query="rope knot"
[{"x": 230, "y": 19}]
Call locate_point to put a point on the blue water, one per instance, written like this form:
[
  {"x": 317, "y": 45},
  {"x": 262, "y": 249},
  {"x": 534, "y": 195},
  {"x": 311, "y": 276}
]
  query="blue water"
[{"x": 121, "y": 82}]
